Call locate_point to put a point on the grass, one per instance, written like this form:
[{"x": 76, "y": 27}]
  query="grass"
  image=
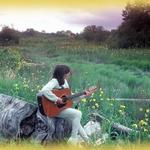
[
  {"x": 121, "y": 73},
  {"x": 115, "y": 81},
  {"x": 34, "y": 146}
]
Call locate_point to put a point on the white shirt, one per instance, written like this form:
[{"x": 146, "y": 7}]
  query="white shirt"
[{"x": 52, "y": 84}]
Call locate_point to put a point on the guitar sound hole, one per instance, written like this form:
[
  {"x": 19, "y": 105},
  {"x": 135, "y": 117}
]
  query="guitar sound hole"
[{"x": 64, "y": 98}]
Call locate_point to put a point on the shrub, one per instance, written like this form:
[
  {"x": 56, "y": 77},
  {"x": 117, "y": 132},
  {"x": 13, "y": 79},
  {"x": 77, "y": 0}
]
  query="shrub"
[
  {"x": 9, "y": 36},
  {"x": 10, "y": 58}
]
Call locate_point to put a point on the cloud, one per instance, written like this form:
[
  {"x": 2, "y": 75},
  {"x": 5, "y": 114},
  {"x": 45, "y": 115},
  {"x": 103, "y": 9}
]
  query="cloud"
[
  {"x": 109, "y": 19},
  {"x": 56, "y": 20}
]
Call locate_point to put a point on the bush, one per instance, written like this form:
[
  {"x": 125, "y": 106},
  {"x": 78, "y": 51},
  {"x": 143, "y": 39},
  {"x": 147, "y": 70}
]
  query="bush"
[
  {"x": 95, "y": 34},
  {"x": 9, "y": 36},
  {"x": 10, "y": 58}
]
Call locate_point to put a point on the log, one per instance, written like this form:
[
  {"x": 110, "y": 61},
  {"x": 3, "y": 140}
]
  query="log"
[
  {"x": 121, "y": 128},
  {"x": 13, "y": 111},
  {"x": 133, "y": 100},
  {"x": 51, "y": 129},
  {"x": 19, "y": 119}
]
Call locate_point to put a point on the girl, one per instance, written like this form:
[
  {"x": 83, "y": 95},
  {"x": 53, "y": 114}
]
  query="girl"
[{"x": 59, "y": 80}]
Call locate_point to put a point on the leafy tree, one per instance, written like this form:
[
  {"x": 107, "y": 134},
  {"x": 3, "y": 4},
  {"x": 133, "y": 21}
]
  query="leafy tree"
[
  {"x": 135, "y": 28},
  {"x": 9, "y": 36},
  {"x": 95, "y": 33}
]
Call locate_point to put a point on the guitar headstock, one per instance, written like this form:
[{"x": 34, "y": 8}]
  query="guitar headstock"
[{"x": 92, "y": 89}]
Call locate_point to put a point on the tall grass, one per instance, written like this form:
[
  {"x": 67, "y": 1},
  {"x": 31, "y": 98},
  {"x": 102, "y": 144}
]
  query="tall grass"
[{"x": 121, "y": 73}]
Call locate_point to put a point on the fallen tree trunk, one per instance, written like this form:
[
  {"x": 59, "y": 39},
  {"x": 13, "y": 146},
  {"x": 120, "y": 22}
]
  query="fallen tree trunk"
[
  {"x": 51, "y": 129},
  {"x": 19, "y": 119},
  {"x": 13, "y": 111}
]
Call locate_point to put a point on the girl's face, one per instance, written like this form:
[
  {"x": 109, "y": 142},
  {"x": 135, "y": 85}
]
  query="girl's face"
[{"x": 67, "y": 76}]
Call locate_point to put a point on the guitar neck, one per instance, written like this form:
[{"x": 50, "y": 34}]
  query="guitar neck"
[
  {"x": 79, "y": 94},
  {"x": 75, "y": 95}
]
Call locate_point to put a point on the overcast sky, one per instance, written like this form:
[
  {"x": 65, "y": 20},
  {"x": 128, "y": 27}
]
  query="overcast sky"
[{"x": 56, "y": 20}]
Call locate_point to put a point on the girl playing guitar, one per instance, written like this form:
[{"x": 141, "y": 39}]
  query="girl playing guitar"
[{"x": 59, "y": 81}]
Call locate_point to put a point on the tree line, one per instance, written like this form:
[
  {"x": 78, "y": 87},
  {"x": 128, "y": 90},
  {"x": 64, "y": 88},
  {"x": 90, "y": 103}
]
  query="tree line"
[{"x": 133, "y": 32}]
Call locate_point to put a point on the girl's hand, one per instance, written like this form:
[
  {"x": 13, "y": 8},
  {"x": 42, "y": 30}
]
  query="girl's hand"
[
  {"x": 59, "y": 101},
  {"x": 88, "y": 93}
]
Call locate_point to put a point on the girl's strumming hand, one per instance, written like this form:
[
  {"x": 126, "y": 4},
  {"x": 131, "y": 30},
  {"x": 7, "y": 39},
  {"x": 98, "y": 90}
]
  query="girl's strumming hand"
[{"x": 59, "y": 101}]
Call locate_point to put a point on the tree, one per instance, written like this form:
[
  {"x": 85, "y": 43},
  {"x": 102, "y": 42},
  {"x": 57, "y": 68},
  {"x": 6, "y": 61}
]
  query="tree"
[
  {"x": 30, "y": 32},
  {"x": 95, "y": 33},
  {"x": 135, "y": 28},
  {"x": 9, "y": 36}
]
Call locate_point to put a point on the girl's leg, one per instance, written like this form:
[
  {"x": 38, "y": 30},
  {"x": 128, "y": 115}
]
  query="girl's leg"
[{"x": 75, "y": 117}]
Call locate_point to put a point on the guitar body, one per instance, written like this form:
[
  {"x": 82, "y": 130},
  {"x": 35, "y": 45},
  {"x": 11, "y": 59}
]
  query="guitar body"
[{"x": 50, "y": 108}]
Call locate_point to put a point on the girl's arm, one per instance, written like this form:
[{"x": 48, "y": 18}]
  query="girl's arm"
[{"x": 47, "y": 90}]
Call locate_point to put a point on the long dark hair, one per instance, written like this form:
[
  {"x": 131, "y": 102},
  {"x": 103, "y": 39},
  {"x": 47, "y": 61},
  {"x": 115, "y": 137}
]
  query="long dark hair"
[{"x": 59, "y": 72}]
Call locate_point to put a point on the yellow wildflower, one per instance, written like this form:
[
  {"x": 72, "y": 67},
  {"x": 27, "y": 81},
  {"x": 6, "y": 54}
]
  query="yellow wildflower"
[
  {"x": 122, "y": 106},
  {"x": 145, "y": 130},
  {"x": 97, "y": 105},
  {"x": 142, "y": 123},
  {"x": 147, "y": 110},
  {"x": 120, "y": 111},
  {"x": 102, "y": 92},
  {"x": 94, "y": 100},
  {"x": 93, "y": 107},
  {"x": 84, "y": 100},
  {"x": 134, "y": 125}
]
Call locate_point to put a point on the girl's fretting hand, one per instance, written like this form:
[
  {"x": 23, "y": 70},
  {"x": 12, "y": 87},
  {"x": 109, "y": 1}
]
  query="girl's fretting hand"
[{"x": 88, "y": 93}]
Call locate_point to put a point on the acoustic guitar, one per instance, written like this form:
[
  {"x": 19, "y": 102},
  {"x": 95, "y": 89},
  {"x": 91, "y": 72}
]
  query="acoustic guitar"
[{"x": 52, "y": 109}]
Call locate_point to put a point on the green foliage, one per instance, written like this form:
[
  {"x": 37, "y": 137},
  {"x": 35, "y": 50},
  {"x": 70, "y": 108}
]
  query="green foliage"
[
  {"x": 9, "y": 36},
  {"x": 135, "y": 28},
  {"x": 95, "y": 33},
  {"x": 10, "y": 58},
  {"x": 127, "y": 114},
  {"x": 118, "y": 77}
]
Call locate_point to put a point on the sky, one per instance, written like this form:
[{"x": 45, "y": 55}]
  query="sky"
[{"x": 53, "y": 16}]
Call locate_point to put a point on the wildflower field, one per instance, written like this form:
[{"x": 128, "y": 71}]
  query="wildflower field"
[{"x": 121, "y": 73}]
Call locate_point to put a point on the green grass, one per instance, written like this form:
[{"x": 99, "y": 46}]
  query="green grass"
[
  {"x": 56, "y": 46},
  {"x": 121, "y": 74}
]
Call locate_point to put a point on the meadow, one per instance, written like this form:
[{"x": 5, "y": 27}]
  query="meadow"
[{"x": 121, "y": 73}]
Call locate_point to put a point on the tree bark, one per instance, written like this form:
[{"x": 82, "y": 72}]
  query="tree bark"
[{"x": 19, "y": 119}]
